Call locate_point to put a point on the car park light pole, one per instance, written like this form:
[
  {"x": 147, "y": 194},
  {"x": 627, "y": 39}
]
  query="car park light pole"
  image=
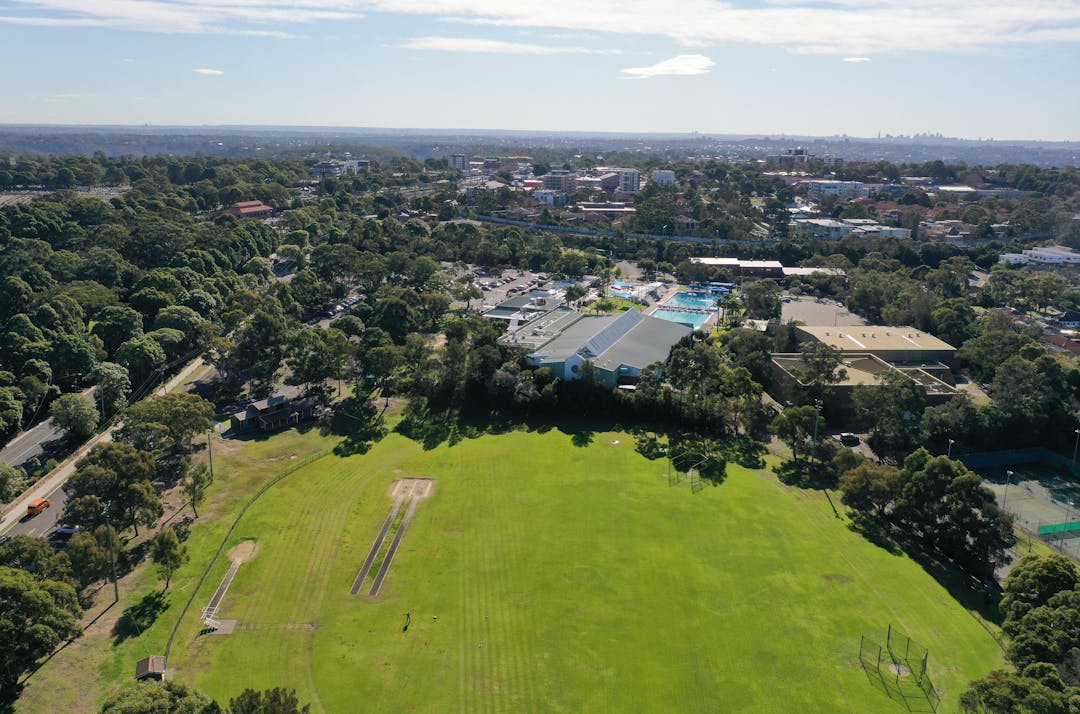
[
  {"x": 1008, "y": 479},
  {"x": 949, "y": 454},
  {"x": 1075, "y": 444}
]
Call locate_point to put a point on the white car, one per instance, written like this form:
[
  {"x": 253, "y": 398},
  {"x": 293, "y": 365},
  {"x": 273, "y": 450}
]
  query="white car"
[{"x": 66, "y": 529}]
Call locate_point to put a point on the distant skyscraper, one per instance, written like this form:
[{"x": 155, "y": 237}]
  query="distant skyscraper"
[{"x": 459, "y": 162}]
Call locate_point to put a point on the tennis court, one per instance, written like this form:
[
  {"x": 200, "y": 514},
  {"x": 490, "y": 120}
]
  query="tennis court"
[{"x": 1044, "y": 502}]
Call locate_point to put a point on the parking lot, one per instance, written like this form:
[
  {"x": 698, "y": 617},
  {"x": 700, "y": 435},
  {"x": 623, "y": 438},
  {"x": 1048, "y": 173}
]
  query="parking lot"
[
  {"x": 812, "y": 312},
  {"x": 509, "y": 284}
]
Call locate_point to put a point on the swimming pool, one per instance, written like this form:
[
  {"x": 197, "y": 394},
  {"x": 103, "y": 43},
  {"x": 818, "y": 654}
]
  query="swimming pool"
[
  {"x": 692, "y": 300},
  {"x": 694, "y": 319}
]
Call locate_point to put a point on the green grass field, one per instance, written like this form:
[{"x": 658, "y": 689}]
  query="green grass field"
[{"x": 564, "y": 578}]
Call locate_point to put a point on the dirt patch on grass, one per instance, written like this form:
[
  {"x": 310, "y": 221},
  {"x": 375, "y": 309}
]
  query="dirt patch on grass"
[
  {"x": 838, "y": 578},
  {"x": 243, "y": 552},
  {"x": 416, "y": 488},
  {"x": 899, "y": 669}
]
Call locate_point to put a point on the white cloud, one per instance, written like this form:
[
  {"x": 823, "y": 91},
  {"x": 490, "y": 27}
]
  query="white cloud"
[
  {"x": 683, "y": 65},
  {"x": 484, "y": 46},
  {"x": 856, "y": 60},
  {"x": 844, "y": 28},
  {"x": 208, "y": 72}
]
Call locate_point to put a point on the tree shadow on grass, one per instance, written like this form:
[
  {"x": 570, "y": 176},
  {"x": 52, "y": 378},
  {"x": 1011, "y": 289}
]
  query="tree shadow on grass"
[
  {"x": 807, "y": 474},
  {"x": 981, "y": 595},
  {"x": 360, "y": 424},
  {"x": 686, "y": 452},
  {"x": 137, "y": 618},
  {"x": 873, "y": 531},
  {"x": 451, "y": 426}
]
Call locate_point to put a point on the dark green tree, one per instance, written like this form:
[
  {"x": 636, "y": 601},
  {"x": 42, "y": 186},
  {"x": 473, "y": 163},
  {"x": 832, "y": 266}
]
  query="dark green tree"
[
  {"x": 168, "y": 553},
  {"x": 76, "y": 414}
]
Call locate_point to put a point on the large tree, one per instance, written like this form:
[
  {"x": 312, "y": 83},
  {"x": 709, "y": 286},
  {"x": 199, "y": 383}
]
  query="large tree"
[
  {"x": 36, "y": 615},
  {"x": 113, "y": 387},
  {"x": 76, "y": 414},
  {"x": 762, "y": 298},
  {"x": 115, "y": 476},
  {"x": 795, "y": 426},
  {"x": 1033, "y": 581},
  {"x": 870, "y": 487},
  {"x": 271, "y": 701},
  {"x": 181, "y": 415},
  {"x": 152, "y": 697}
]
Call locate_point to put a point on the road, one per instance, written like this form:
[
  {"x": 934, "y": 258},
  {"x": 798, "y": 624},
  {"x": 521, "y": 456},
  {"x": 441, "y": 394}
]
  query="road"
[
  {"x": 33, "y": 442},
  {"x": 14, "y": 521},
  {"x": 30, "y": 443}
]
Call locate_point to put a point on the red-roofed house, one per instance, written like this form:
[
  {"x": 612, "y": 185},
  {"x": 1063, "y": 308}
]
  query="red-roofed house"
[{"x": 250, "y": 209}]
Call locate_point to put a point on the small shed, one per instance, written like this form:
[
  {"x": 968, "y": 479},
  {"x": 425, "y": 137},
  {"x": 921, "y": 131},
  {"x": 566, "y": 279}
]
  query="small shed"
[{"x": 152, "y": 667}]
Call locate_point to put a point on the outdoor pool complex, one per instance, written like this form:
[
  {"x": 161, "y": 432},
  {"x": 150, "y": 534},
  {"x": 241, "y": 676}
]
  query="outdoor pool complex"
[
  {"x": 689, "y": 308},
  {"x": 696, "y": 319},
  {"x": 698, "y": 300}
]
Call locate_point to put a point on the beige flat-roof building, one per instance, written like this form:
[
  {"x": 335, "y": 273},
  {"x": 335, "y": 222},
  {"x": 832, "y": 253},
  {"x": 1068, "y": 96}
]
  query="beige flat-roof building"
[
  {"x": 897, "y": 345},
  {"x": 860, "y": 370}
]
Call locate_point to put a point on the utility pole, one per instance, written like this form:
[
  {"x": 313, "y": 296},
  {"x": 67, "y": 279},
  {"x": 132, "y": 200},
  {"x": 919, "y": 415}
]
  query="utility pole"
[
  {"x": 210, "y": 450},
  {"x": 1076, "y": 444},
  {"x": 112, "y": 552},
  {"x": 817, "y": 418}
]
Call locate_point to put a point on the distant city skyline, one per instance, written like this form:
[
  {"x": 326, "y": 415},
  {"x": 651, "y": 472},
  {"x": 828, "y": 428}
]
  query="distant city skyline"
[{"x": 778, "y": 67}]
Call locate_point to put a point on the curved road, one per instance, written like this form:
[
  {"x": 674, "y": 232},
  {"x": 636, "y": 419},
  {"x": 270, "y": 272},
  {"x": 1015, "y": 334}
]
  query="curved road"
[{"x": 15, "y": 522}]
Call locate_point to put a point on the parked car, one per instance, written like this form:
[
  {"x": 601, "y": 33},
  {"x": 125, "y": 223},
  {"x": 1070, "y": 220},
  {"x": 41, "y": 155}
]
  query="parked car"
[
  {"x": 37, "y": 506},
  {"x": 66, "y": 529},
  {"x": 849, "y": 439}
]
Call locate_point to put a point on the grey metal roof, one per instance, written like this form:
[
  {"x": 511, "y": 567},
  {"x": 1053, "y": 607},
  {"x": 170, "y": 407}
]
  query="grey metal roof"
[
  {"x": 648, "y": 340},
  {"x": 610, "y": 341}
]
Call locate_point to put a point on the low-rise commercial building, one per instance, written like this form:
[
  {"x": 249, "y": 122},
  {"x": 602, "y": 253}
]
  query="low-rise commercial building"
[
  {"x": 896, "y": 345},
  {"x": 860, "y": 370}
]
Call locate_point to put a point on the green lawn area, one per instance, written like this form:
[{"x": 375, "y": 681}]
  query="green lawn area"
[{"x": 565, "y": 578}]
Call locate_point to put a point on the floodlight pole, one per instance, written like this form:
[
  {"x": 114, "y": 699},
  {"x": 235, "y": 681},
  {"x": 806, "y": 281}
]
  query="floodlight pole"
[
  {"x": 1075, "y": 444},
  {"x": 1008, "y": 479},
  {"x": 949, "y": 454}
]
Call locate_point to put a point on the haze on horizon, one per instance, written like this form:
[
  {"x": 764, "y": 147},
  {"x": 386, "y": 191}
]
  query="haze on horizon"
[{"x": 796, "y": 67}]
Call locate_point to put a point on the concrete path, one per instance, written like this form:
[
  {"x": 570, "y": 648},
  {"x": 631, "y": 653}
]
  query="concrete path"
[{"x": 53, "y": 481}]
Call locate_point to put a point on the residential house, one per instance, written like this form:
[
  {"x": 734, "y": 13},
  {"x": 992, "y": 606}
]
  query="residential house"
[{"x": 285, "y": 408}]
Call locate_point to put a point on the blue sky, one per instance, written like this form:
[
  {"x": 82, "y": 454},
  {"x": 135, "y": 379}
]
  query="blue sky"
[{"x": 859, "y": 67}]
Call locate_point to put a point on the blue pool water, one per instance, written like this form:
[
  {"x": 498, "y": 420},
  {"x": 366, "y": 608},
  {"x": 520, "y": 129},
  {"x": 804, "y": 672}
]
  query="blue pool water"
[
  {"x": 626, "y": 294},
  {"x": 695, "y": 319},
  {"x": 692, "y": 300}
]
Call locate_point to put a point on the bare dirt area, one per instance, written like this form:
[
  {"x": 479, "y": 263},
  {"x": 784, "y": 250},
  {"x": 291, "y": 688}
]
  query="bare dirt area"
[
  {"x": 244, "y": 552},
  {"x": 415, "y": 488}
]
